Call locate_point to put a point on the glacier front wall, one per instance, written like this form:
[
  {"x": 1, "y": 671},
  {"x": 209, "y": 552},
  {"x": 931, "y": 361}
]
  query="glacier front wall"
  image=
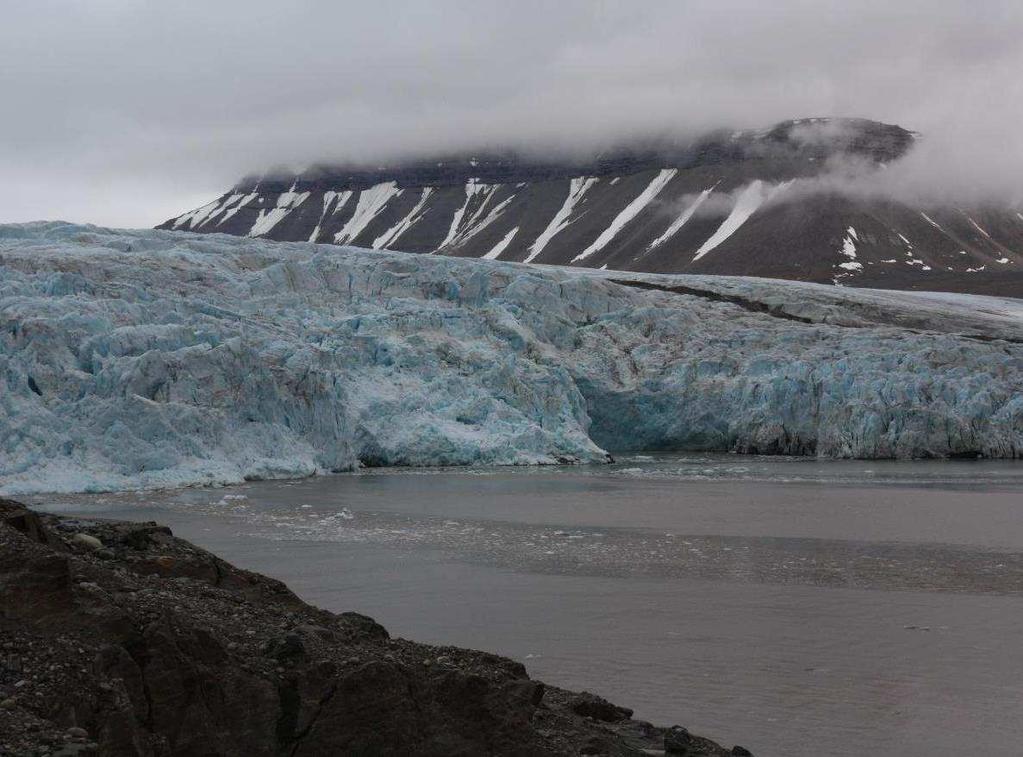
[{"x": 136, "y": 359}]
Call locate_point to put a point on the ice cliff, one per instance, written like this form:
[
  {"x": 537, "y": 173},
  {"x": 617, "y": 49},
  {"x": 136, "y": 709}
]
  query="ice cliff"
[{"x": 157, "y": 358}]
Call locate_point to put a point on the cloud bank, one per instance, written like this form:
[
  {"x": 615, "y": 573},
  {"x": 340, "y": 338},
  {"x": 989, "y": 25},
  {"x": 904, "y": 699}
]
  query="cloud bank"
[{"x": 125, "y": 112}]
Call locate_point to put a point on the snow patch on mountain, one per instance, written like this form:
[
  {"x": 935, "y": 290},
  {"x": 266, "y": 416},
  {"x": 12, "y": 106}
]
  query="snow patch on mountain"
[
  {"x": 474, "y": 225},
  {"x": 267, "y": 219},
  {"x": 197, "y": 216},
  {"x": 747, "y": 203},
  {"x": 232, "y": 206},
  {"x": 472, "y": 188},
  {"x": 849, "y": 251},
  {"x": 576, "y": 189},
  {"x": 392, "y": 234},
  {"x": 328, "y": 198},
  {"x": 679, "y": 222},
  {"x": 630, "y": 211},
  {"x": 371, "y": 202},
  {"x": 978, "y": 227},
  {"x": 500, "y": 247},
  {"x": 932, "y": 222}
]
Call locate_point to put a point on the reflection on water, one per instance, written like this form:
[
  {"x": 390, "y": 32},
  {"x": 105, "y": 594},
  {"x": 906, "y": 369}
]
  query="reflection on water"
[{"x": 797, "y": 606}]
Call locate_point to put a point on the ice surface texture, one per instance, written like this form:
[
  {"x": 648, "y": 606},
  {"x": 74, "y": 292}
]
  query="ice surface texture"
[{"x": 157, "y": 358}]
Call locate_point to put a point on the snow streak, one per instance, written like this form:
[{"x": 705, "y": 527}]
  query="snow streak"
[
  {"x": 679, "y": 222},
  {"x": 631, "y": 211},
  {"x": 576, "y": 189},
  {"x": 371, "y": 202},
  {"x": 748, "y": 202},
  {"x": 391, "y": 235},
  {"x": 501, "y": 246},
  {"x": 267, "y": 219}
]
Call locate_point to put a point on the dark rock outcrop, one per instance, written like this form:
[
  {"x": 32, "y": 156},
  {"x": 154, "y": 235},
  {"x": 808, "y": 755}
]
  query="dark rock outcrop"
[{"x": 148, "y": 645}]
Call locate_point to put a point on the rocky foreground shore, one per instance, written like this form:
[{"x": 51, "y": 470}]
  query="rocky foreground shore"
[{"x": 121, "y": 639}]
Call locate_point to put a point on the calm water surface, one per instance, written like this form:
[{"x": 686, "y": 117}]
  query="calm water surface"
[{"x": 793, "y": 606}]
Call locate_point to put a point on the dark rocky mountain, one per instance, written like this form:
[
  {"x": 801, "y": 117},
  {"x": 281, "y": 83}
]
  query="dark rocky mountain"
[
  {"x": 726, "y": 203},
  {"x": 121, "y": 639}
]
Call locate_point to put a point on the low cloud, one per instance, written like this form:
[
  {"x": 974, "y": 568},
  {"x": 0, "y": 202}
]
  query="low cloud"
[
  {"x": 934, "y": 172},
  {"x": 125, "y": 112}
]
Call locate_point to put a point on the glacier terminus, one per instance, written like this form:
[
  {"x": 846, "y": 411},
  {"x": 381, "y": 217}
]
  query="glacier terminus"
[{"x": 141, "y": 359}]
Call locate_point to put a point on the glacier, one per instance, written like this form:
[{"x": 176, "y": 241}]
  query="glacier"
[{"x": 140, "y": 359}]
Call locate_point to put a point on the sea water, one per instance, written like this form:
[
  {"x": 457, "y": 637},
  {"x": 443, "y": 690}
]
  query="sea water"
[{"x": 795, "y": 606}]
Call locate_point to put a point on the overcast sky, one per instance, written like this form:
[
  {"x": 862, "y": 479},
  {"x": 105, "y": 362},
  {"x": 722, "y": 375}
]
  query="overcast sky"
[{"x": 126, "y": 113}]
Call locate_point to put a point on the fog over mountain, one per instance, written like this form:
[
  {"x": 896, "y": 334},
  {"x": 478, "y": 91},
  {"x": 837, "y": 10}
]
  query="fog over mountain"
[{"x": 123, "y": 113}]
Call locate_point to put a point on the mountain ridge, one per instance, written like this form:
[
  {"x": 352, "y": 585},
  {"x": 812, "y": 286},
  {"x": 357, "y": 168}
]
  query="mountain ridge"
[
  {"x": 728, "y": 202},
  {"x": 857, "y": 137}
]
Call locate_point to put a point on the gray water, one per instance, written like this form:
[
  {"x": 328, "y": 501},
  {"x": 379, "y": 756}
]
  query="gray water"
[{"x": 793, "y": 606}]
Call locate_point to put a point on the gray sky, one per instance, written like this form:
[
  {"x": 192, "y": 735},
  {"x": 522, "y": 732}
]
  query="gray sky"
[{"x": 126, "y": 112}]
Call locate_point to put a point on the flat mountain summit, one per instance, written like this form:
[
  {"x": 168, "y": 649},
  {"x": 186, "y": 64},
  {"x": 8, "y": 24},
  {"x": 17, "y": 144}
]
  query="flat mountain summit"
[{"x": 728, "y": 202}]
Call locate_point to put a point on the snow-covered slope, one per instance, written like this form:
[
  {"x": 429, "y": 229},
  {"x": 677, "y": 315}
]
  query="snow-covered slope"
[
  {"x": 734, "y": 202},
  {"x": 157, "y": 358}
]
